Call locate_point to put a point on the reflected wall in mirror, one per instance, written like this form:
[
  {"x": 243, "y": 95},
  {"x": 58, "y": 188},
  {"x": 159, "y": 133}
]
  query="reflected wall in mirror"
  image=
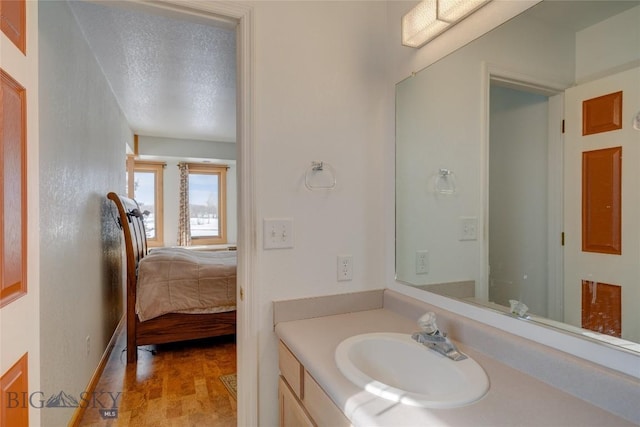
[{"x": 491, "y": 115}]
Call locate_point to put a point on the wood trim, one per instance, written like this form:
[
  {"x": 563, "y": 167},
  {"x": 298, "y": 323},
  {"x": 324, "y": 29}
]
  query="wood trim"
[
  {"x": 157, "y": 168},
  {"x": 13, "y": 190},
  {"x": 143, "y": 163},
  {"x": 130, "y": 178},
  {"x": 15, "y": 380},
  {"x": 602, "y": 114},
  {"x": 221, "y": 171},
  {"x": 205, "y": 167},
  {"x": 602, "y": 201},
  {"x": 13, "y": 22},
  {"x": 93, "y": 382}
]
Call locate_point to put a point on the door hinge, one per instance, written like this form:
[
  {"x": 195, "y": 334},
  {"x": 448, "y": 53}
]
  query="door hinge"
[
  {"x": 562, "y": 239},
  {"x": 562, "y": 125},
  {"x": 241, "y": 293}
]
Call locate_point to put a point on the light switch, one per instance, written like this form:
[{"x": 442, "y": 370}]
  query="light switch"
[
  {"x": 468, "y": 228},
  {"x": 278, "y": 233}
]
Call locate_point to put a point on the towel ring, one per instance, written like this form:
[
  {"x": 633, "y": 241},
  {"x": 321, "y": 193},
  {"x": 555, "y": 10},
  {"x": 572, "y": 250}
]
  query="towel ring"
[
  {"x": 445, "y": 182},
  {"x": 320, "y": 176}
]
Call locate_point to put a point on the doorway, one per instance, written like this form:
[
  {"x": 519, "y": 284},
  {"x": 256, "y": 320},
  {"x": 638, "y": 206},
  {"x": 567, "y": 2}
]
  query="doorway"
[
  {"x": 240, "y": 17},
  {"x": 523, "y": 176},
  {"x": 518, "y": 219}
]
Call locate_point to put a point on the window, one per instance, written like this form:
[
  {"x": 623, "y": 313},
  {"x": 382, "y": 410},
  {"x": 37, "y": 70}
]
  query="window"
[
  {"x": 146, "y": 188},
  {"x": 207, "y": 203}
]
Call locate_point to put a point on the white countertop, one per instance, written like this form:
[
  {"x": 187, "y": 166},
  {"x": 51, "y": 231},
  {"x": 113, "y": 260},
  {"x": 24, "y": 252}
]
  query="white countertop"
[{"x": 514, "y": 398}]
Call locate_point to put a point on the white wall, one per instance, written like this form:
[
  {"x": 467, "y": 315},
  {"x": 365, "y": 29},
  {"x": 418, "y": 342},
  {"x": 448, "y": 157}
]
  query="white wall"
[
  {"x": 595, "y": 56},
  {"x": 320, "y": 94},
  {"x": 82, "y": 151},
  {"x": 182, "y": 148}
]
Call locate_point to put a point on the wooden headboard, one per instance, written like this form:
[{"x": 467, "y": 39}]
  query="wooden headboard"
[{"x": 131, "y": 221}]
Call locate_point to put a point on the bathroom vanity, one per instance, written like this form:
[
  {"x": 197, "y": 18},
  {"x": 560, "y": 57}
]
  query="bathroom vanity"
[
  {"x": 301, "y": 400},
  {"x": 313, "y": 391}
]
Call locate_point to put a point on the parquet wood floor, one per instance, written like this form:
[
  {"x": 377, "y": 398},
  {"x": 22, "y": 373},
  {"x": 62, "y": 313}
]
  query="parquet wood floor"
[{"x": 171, "y": 385}]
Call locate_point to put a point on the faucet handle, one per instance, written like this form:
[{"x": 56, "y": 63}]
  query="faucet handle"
[{"x": 427, "y": 323}]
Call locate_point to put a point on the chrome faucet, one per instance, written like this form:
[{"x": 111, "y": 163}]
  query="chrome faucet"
[{"x": 431, "y": 337}]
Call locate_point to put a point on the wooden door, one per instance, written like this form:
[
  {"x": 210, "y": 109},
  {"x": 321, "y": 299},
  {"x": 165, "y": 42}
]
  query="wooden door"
[
  {"x": 602, "y": 204},
  {"x": 19, "y": 321}
]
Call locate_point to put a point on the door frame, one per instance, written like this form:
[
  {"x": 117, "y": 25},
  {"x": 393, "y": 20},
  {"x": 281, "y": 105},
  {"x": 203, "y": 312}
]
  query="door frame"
[
  {"x": 239, "y": 15},
  {"x": 555, "y": 93}
]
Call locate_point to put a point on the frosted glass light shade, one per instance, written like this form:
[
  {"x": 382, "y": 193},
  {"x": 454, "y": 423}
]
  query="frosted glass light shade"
[
  {"x": 421, "y": 24},
  {"x": 454, "y": 10},
  {"x": 430, "y": 18}
]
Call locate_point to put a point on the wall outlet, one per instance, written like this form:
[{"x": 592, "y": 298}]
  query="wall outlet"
[
  {"x": 278, "y": 233},
  {"x": 422, "y": 262},
  {"x": 345, "y": 267},
  {"x": 88, "y": 340},
  {"x": 468, "y": 228}
]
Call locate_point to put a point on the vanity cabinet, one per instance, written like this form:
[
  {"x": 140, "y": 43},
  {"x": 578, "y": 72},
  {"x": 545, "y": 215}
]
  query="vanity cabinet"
[
  {"x": 292, "y": 414},
  {"x": 302, "y": 402}
]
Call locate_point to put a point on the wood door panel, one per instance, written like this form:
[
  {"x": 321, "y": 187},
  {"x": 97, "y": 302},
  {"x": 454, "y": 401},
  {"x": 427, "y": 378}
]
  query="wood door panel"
[
  {"x": 14, "y": 22},
  {"x": 602, "y": 114},
  {"x": 14, "y": 386},
  {"x": 602, "y": 308},
  {"x": 602, "y": 201},
  {"x": 12, "y": 190}
]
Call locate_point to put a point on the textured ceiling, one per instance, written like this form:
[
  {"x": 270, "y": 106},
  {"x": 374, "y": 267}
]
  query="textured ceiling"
[
  {"x": 172, "y": 78},
  {"x": 177, "y": 78}
]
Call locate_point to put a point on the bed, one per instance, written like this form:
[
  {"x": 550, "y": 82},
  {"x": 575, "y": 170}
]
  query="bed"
[{"x": 173, "y": 294}]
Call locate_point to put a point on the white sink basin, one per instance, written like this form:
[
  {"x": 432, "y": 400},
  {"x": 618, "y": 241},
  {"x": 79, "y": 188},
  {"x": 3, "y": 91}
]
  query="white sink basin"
[{"x": 395, "y": 367}]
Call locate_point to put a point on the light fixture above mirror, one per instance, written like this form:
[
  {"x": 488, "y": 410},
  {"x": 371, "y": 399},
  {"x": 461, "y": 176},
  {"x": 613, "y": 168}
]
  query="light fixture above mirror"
[{"x": 431, "y": 18}]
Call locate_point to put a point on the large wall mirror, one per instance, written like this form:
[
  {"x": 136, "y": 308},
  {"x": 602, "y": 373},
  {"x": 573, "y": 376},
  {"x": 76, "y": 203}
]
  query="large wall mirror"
[{"x": 499, "y": 202}]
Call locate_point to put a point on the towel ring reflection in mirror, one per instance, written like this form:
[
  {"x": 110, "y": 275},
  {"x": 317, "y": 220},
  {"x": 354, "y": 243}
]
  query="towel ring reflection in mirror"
[
  {"x": 445, "y": 182},
  {"x": 320, "y": 176}
]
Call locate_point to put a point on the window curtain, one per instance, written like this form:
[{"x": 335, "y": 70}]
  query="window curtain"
[{"x": 184, "y": 226}]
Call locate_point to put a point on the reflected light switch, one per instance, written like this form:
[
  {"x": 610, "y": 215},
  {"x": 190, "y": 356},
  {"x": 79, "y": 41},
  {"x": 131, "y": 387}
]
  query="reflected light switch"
[{"x": 468, "y": 228}]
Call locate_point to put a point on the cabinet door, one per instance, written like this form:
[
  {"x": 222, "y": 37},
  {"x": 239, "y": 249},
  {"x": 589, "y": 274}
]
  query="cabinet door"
[
  {"x": 291, "y": 412},
  {"x": 320, "y": 407}
]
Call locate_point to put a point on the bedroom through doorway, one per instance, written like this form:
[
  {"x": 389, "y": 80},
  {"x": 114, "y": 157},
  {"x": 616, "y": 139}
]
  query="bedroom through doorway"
[{"x": 192, "y": 23}]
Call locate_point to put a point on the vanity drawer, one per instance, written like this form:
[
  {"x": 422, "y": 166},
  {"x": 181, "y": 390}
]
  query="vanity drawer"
[
  {"x": 320, "y": 406},
  {"x": 291, "y": 369}
]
